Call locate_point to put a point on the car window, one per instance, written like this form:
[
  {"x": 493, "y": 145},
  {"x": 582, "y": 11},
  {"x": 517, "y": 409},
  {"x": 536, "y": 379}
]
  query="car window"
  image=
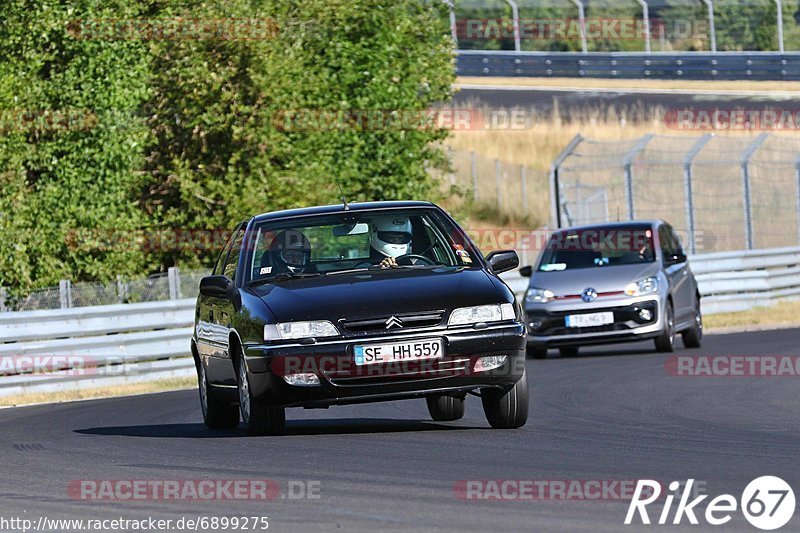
[
  {"x": 598, "y": 247},
  {"x": 220, "y": 262},
  {"x": 669, "y": 244},
  {"x": 233, "y": 255},
  {"x": 345, "y": 241}
]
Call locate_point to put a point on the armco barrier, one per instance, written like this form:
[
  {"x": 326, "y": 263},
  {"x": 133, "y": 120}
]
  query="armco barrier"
[
  {"x": 732, "y": 281},
  {"x": 632, "y": 65}
]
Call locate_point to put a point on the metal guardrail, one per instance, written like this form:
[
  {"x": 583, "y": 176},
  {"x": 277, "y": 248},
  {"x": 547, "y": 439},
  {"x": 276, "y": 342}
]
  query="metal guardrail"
[
  {"x": 732, "y": 281},
  {"x": 111, "y": 345},
  {"x": 632, "y": 65}
]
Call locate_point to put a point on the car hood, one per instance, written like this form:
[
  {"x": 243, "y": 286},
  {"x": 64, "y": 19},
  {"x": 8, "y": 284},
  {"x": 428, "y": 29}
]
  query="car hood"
[
  {"x": 602, "y": 279},
  {"x": 377, "y": 293}
]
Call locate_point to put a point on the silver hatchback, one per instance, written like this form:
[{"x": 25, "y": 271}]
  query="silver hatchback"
[{"x": 609, "y": 283}]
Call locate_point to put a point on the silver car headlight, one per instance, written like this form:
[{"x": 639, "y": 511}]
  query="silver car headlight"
[
  {"x": 539, "y": 296},
  {"x": 643, "y": 286},
  {"x": 299, "y": 330},
  {"x": 481, "y": 313}
]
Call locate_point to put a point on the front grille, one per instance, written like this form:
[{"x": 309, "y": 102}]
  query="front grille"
[
  {"x": 409, "y": 371},
  {"x": 393, "y": 322},
  {"x": 625, "y": 319}
]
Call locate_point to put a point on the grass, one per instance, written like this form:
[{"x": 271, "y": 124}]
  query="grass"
[
  {"x": 103, "y": 392},
  {"x": 782, "y": 314},
  {"x": 584, "y": 83}
]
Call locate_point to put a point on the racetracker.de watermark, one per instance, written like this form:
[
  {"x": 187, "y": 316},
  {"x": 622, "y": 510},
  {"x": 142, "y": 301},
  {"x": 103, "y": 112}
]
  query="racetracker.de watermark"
[
  {"x": 594, "y": 28},
  {"x": 733, "y": 366},
  {"x": 551, "y": 489},
  {"x": 717, "y": 119},
  {"x": 192, "y": 489},
  {"x": 46, "y": 120},
  {"x": 173, "y": 29}
]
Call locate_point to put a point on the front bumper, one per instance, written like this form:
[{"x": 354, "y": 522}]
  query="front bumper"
[
  {"x": 342, "y": 382},
  {"x": 547, "y": 327}
]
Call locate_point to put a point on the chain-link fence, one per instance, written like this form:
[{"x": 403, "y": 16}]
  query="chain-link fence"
[
  {"x": 722, "y": 193},
  {"x": 172, "y": 285}
]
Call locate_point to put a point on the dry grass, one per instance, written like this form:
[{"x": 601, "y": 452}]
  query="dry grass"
[
  {"x": 744, "y": 85},
  {"x": 782, "y": 314},
  {"x": 104, "y": 392}
]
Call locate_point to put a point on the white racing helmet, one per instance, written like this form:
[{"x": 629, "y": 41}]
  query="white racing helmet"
[{"x": 391, "y": 235}]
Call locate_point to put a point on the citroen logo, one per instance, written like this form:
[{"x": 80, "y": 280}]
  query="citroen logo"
[
  {"x": 393, "y": 322},
  {"x": 589, "y": 295}
]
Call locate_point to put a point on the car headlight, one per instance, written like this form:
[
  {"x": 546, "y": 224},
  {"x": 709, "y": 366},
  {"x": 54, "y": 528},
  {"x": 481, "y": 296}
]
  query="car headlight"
[
  {"x": 539, "y": 296},
  {"x": 643, "y": 286},
  {"x": 299, "y": 330},
  {"x": 481, "y": 313}
]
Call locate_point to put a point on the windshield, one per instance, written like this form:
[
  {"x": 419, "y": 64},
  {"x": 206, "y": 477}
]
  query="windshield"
[
  {"x": 326, "y": 244},
  {"x": 604, "y": 247}
]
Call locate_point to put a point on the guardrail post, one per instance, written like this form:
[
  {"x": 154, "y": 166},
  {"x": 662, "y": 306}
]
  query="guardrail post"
[
  {"x": 65, "y": 293},
  {"x": 627, "y": 162},
  {"x": 711, "y": 29},
  {"x": 554, "y": 185},
  {"x": 474, "y": 172},
  {"x": 779, "y": 4},
  {"x": 687, "y": 185},
  {"x": 582, "y": 22},
  {"x": 748, "y": 200},
  {"x": 3, "y": 300},
  {"x": 173, "y": 277}
]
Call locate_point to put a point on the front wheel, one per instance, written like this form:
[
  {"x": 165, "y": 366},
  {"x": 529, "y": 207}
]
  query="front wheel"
[
  {"x": 259, "y": 418},
  {"x": 693, "y": 337},
  {"x": 507, "y": 409},
  {"x": 216, "y": 414},
  {"x": 444, "y": 408},
  {"x": 666, "y": 341}
]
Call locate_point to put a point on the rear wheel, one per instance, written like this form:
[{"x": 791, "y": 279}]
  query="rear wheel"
[
  {"x": 568, "y": 351},
  {"x": 693, "y": 337},
  {"x": 666, "y": 341},
  {"x": 259, "y": 419},
  {"x": 444, "y": 408},
  {"x": 216, "y": 414},
  {"x": 507, "y": 409}
]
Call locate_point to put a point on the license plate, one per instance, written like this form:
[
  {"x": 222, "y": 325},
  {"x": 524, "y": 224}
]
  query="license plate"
[
  {"x": 369, "y": 354},
  {"x": 589, "y": 320}
]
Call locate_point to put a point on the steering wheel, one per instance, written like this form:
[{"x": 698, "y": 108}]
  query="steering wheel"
[{"x": 414, "y": 259}]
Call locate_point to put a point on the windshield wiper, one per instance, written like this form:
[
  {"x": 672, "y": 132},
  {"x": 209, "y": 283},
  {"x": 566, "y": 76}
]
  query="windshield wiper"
[{"x": 284, "y": 276}]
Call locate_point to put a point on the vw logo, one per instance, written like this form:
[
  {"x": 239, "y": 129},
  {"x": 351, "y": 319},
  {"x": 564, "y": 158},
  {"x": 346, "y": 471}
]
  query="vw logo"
[
  {"x": 393, "y": 322},
  {"x": 589, "y": 295}
]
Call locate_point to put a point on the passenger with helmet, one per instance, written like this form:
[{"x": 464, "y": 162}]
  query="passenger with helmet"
[{"x": 289, "y": 251}]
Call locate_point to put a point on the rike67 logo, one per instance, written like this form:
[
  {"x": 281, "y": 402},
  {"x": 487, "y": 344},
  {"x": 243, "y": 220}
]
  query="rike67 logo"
[{"x": 767, "y": 503}]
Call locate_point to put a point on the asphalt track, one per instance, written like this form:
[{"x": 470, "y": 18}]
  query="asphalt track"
[
  {"x": 643, "y": 103},
  {"x": 611, "y": 413}
]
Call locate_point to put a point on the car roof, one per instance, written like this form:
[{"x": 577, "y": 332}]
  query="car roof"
[
  {"x": 340, "y": 208},
  {"x": 612, "y": 225}
]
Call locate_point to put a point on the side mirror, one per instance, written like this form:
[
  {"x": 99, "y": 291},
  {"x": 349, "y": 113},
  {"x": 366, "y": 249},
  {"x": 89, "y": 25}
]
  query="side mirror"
[
  {"x": 676, "y": 259},
  {"x": 217, "y": 287},
  {"x": 526, "y": 271},
  {"x": 503, "y": 260}
]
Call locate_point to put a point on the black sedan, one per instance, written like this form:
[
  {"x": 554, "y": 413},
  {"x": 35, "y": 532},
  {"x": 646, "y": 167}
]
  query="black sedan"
[{"x": 357, "y": 303}]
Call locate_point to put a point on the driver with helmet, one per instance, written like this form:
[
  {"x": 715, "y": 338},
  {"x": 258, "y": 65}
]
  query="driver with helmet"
[{"x": 390, "y": 238}]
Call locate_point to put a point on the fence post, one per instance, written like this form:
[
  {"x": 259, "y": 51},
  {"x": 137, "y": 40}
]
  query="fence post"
[
  {"x": 554, "y": 185},
  {"x": 173, "y": 277},
  {"x": 748, "y": 200},
  {"x": 3, "y": 299},
  {"x": 515, "y": 15},
  {"x": 646, "y": 21},
  {"x": 627, "y": 162},
  {"x": 711, "y": 29},
  {"x": 523, "y": 177},
  {"x": 474, "y": 172},
  {"x": 688, "y": 190},
  {"x": 497, "y": 183},
  {"x": 453, "y": 28},
  {"x": 65, "y": 293},
  {"x": 582, "y": 22},
  {"x": 779, "y": 5}
]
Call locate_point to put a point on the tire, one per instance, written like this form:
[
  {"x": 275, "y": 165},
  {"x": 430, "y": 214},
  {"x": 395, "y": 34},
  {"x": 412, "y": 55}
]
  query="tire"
[
  {"x": 216, "y": 414},
  {"x": 259, "y": 418},
  {"x": 507, "y": 409},
  {"x": 444, "y": 408},
  {"x": 693, "y": 337},
  {"x": 666, "y": 341},
  {"x": 569, "y": 351},
  {"x": 537, "y": 353}
]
